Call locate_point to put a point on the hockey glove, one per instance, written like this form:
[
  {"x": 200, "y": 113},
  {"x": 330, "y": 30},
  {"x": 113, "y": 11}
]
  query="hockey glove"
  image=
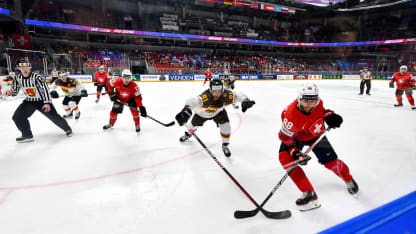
[
  {"x": 414, "y": 87},
  {"x": 84, "y": 93},
  {"x": 298, "y": 155},
  {"x": 183, "y": 116},
  {"x": 391, "y": 85},
  {"x": 113, "y": 97},
  {"x": 143, "y": 112},
  {"x": 333, "y": 120},
  {"x": 54, "y": 94},
  {"x": 247, "y": 103}
]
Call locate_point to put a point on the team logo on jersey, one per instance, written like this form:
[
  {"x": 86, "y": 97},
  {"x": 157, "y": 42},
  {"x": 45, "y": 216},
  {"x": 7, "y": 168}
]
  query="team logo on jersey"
[
  {"x": 124, "y": 94},
  {"x": 30, "y": 92},
  {"x": 317, "y": 128}
]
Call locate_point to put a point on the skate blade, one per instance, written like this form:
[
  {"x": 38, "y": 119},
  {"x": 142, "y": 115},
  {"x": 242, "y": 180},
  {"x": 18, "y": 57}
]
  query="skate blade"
[
  {"x": 26, "y": 140},
  {"x": 310, "y": 206}
]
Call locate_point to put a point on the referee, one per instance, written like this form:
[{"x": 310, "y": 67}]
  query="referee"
[{"x": 37, "y": 98}]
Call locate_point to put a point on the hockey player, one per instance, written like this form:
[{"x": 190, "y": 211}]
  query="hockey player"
[
  {"x": 365, "y": 78},
  {"x": 37, "y": 98},
  {"x": 229, "y": 84},
  {"x": 100, "y": 80},
  {"x": 54, "y": 75},
  {"x": 208, "y": 75},
  {"x": 73, "y": 90},
  {"x": 8, "y": 81},
  {"x": 303, "y": 122},
  {"x": 405, "y": 83},
  {"x": 122, "y": 91},
  {"x": 211, "y": 105}
]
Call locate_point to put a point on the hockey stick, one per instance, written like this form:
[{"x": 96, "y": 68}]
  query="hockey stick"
[
  {"x": 150, "y": 117},
  {"x": 273, "y": 215},
  {"x": 157, "y": 121},
  {"x": 240, "y": 214}
]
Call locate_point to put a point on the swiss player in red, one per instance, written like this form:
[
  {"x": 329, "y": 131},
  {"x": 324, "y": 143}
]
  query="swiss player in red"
[
  {"x": 405, "y": 83},
  {"x": 303, "y": 122},
  {"x": 208, "y": 76},
  {"x": 100, "y": 80},
  {"x": 123, "y": 91}
]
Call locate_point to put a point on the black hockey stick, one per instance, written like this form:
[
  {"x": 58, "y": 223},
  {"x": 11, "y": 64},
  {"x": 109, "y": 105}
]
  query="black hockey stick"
[
  {"x": 150, "y": 117},
  {"x": 164, "y": 124},
  {"x": 273, "y": 215},
  {"x": 240, "y": 214}
]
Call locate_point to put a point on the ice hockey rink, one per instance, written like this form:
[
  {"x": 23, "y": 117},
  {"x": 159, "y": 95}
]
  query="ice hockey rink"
[{"x": 121, "y": 182}]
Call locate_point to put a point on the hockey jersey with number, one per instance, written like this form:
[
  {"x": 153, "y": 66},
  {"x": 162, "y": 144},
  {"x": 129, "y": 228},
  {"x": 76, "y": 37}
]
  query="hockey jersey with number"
[
  {"x": 298, "y": 126},
  {"x": 101, "y": 79},
  {"x": 205, "y": 106},
  {"x": 125, "y": 93},
  {"x": 403, "y": 81}
]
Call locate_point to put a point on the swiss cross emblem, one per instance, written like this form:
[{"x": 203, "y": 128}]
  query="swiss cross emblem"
[
  {"x": 22, "y": 41},
  {"x": 317, "y": 127}
]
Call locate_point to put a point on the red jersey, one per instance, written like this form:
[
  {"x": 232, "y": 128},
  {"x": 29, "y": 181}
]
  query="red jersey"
[
  {"x": 208, "y": 75},
  {"x": 125, "y": 93},
  {"x": 101, "y": 79},
  {"x": 299, "y": 126},
  {"x": 403, "y": 81}
]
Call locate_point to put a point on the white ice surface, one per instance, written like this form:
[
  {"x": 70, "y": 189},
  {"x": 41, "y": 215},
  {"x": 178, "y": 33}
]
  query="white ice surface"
[{"x": 122, "y": 182}]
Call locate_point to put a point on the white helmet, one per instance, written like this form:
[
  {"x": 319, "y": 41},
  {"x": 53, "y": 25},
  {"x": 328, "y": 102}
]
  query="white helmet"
[
  {"x": 101, "y": 68},
  {"x": 308, "y": 91},
  {"x": 126, "y": 74},
  {"x": 403, "y": 67}
]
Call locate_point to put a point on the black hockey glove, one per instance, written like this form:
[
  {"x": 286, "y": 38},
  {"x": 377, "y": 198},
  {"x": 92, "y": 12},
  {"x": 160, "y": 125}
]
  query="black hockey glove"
[
  {"x": 84, "y": 93},
  {"x": 333, "y": 121},
  {"x": 414, "y": 87},
  {"x": 183, "y": 116},
  {"x": 95, "y": 83},
  {"x": 391, "y": 85},
  {"x": 298, "y": 155},
  {"x": 143, "y": 112},
  {"x": 54, "y": 94},
  {"x": 247, "y": 103},
  {"x": 113, "y": 97}
]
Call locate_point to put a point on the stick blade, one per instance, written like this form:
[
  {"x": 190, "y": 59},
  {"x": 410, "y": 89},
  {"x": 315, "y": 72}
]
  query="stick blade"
[
  {"x": 241, "y": 214},
  {"x": 285, "y": 214},
  {"x": 170, "y": 124}
]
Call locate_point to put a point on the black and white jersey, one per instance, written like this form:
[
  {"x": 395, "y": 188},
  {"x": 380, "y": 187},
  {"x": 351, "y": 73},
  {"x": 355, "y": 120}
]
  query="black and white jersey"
[{"x": 34, "y": 87}]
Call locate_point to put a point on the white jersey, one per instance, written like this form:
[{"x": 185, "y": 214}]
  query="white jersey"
[
  {"x": 365, "y": 75},
  {"x": 71, "y": 87},
  {"x": 204, "y": 106}
]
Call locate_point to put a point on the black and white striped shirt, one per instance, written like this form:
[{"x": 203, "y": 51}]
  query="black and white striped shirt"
[{"x": 34, "y": 87}]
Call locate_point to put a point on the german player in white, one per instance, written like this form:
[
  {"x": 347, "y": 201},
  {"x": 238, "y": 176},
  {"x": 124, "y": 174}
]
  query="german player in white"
[
  {"x": 37, "y": 98},
  {"x": 210, "y": 105},
  {"x": 303, "y": 122},
  {"x": 73, "y": 90},
  {"x": 365, "y": 80}
]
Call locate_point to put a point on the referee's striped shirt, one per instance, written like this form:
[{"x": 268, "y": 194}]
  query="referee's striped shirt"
[{"x": 34, "y": 87}]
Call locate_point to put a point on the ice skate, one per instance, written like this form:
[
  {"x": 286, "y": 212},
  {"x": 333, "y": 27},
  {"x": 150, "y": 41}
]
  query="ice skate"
[
  {"x": 107, "y": 126},
  {"x": 77, "y": 115},
  {"x": 185, "y": 137},
  {"x": 226, "y": 150},
  {"x": 308, "y": 201},
  {"x": 24, "y": 139},
  {"x": 352, "y": 187}
]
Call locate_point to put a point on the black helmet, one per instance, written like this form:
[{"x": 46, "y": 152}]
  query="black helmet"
[
  {"x": 22, "y": 62},
  {"x": 216, "y": 84}
]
